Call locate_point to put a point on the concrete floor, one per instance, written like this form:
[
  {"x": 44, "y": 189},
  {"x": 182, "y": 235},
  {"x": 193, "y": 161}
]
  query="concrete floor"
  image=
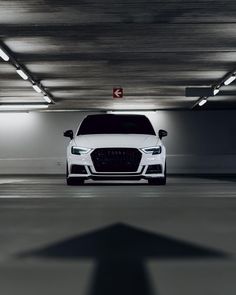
[{"x": 108, "y": 238}]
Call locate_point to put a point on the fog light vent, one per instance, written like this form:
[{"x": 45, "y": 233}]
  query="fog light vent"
[
  {"x": 154, "y": 169},
  {"x": 78, "y": 169}
]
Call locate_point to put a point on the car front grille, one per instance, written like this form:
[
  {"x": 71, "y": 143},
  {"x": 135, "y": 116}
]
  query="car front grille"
[{"x": 116, "y": 159}]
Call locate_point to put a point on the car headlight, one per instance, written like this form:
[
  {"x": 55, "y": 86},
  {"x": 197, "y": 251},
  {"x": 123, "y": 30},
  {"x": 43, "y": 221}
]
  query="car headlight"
[
  {"x": 155, "y": 150},
  {"x": 79, "y": 150}
]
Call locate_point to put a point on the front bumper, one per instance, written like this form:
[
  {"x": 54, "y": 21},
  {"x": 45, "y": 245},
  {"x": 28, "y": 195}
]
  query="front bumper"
[{"x": 150, "y": 166}]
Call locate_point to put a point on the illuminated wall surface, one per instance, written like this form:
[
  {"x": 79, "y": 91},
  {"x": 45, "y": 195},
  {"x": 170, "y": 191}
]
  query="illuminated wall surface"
[{"x": 198, "y": 142}]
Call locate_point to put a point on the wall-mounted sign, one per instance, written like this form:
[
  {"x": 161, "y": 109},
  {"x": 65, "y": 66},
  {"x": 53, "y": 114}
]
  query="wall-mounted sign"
[{"x": 118, "y": 92}]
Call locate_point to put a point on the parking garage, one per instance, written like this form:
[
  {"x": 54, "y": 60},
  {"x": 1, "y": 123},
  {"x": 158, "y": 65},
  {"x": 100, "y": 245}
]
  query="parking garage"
[{"x": 71, "y": 223}]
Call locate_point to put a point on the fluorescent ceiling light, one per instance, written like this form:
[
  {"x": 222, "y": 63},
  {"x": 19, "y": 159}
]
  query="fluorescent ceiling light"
[
  {"x": 23, "y": 106},
  {"x": 47, "y": 99},
  {"x": 36, "y": 88},
  {"x": 22, "y": 74},
  {"x": 202, "y": 102},
  {"x": 216, "y": 90},
  {"x": 3, "y": 55},
  {"x": 229, "y": 80}
]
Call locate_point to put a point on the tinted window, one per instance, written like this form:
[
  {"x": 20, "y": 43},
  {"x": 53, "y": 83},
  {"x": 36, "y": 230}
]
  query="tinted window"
[{"x": 116, "y": 124}]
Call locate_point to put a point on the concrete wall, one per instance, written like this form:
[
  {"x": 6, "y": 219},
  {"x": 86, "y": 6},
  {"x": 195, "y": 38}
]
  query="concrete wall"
[{"x": 198, "y": 142}]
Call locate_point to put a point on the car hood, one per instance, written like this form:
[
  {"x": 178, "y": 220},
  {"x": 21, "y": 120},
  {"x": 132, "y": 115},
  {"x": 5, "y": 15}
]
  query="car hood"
[{"x": 116, "y": 140}]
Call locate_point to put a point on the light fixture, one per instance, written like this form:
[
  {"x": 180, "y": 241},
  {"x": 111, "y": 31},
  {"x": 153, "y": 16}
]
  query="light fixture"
[
  {"x": 36, "y": 88},
  {"x": 216, "y": 90},
  {"x": 22, "y": 106},
  {"x": 3, "y": 55},
  {"x": 47, "y": 99},
  {"x": 229, "y": 80},
  {"x": 22, "y": 74},
  {"x": 202, "y": 102}
]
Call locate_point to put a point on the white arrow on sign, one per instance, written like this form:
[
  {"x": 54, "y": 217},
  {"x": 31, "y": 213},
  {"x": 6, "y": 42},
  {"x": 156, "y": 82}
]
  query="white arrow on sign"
[{"x": 117, "y": 93}]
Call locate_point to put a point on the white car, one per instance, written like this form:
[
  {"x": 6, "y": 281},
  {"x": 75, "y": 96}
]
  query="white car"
[{"x": 112, "y": 146}]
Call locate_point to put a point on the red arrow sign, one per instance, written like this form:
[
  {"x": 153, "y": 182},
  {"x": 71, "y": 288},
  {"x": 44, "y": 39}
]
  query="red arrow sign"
[{"x": 118, "y": 92}]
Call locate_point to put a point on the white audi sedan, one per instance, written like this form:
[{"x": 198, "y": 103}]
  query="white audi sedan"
[{"x": 112, "y": 146}]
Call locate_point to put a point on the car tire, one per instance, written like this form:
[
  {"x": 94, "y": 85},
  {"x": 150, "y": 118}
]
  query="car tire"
[
  {"x": 158, "y": 180},
  {"x": 73, "y": 180}
]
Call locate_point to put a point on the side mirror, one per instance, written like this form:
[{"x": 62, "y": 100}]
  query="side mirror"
[
  {"x": 162, "y": 133},
  {"x": 69, "y": 133}
]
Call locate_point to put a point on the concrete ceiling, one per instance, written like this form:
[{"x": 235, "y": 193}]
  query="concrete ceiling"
[{"x": 80, "y": 49}]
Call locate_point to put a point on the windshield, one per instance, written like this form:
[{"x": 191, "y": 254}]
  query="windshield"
[{"x": 116, "y": 124}]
